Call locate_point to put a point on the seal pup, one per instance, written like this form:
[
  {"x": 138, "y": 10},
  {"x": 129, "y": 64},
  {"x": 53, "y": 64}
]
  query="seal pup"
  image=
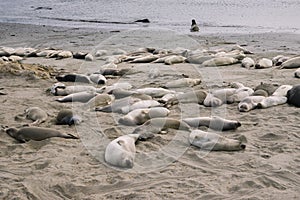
[
  {"x": 98, "y": 78},
  {"x": 79, "y": 55},
  {"x": 249, "y": 103},
  {"x": 282, "y": 90},
  {"x": 59, "y": 89},
  {"x": 293, "y": 96},
  {"x": 240, "y": 48},
  {"x": 278, "y": 60},
  {"x": 195, "y": 96},
  {"x": 264, "y": 63},
  {"x": 272, "y": 101},
  {"x": 291, "y": 63},
  {"x": 160, "y": 124},
  {"x": 145, "y": 59},
  {"x": 248, "y": 63},
  {"x": 154, "y": 92},
  {"x": 213, "y": 141},
  {"x": 194, "y": 26},
  {"x": 73, "y": 78},
  {"x": 212, "y": 101},
  {"x": 118, "y": 104},
  {"x": 99, "y": 100},
  {"x": 66, "y": 117},
  {"x": 268, "y": 87},
  {"x": 240, "y": 94},
  {"x": 36, "y": 114},
  {"x": 183, "y": 82},
  {"x": 140, "y": 116},
  {"x": 36, "y": 133},
  {"x": 220, "y": 61},
  {"x": 215, "y": 122},
  {"x": 140, "y": 104},
  {"x": 121, "y": 151},
  {"x": 77, "y": 97},
  {"x": 175, "y": 59},
  {"x": 260, "y": 92},
  {"x": 297, "y": 73}
]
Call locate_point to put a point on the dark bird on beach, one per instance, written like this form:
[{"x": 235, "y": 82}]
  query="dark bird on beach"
[{"x": 194, "y": 26}]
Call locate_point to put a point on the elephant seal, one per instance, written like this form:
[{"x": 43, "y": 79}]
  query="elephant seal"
[
  {"x": 220, "y": 61},
  {"x": 240, "y": 48},
  {"x": 154, "y": 92},
  {"x": 59, "y": 89},
  {"x": 195, "y": 96},
  {"x": 145, "y": 59},
  {"x": 118, "y": 104},
  {"x": 282, "y": 90},
  {"x": 184, "y": 82},
  {"x": 291, "y": 63},
  {"x": 213, "y": 141},
  {"x": 260, "y": 92},
  {"x": 278, "y": 60},
  {"x": 293, "y": 96},
  {"x": 73, "y": 78},
  {"x": 36, "y": 114},
  {"x": 297, "y": 73},
  {"x": 66, "y": 117},
  {"x": 140, "y": 116},
  {"x": 248, "y": 63},
  {"x": 264, "y": 63},
  {"x": 98, "y": 78},
  {"x": 79, "y": 55},
  {"x": 268, "y": 87},
  {"x": 175, "y": 59},
  {"x": 100, "y": 100},
  {"x": 159, "y": 124},
  {"x": 272, "y": 101},
  {"x": 194, "y": 26},
  {"x": 212, "y": 101},
  {"x": 140, "y": 104},
  {"x": 36, "y": 133},
  {"x": 77, "y": 97},
  {"x": 215, "y": 122},
  {"x": 121, "y": 151},
  {"x": 250, "y": 103},
  {"x": 224, "y": 94}
]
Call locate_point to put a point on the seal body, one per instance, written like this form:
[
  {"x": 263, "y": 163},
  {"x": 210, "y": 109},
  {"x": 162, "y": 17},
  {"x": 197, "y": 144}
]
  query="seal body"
[
  {"x": 213, "y": 141},
  {"x": 121, "y": 151},
  {"x": 140, "y": 104},
  {"x": 100, "y": 100},
  {"x": 293, "y": 96},
  {"x": 282, "y": 90},
  {"x": 66, "y": 117},
  {"x": 184, "y": 82},
  {"x": 264, "y": 63},
  {"x": 74, "y": 78},
  {"x": 248, "y": 63},
  {"x": 272, "y": 101},
  {"x": 291, "y": 63},
  {"x": 297, "y": 73},
  {"x": 220, "y": 61},
  {"x": 59, "y": 89},
  {"x": 36, "y": 133},
  {"x": 118, "y": 105},
  {"x": 249, "y": 103},
  {"x": 77, "y": 97},
  {"x": 36, "y": 114},
  {"x": 98, "y": 78},
  {"x": 216, "y": 123},
  {"x": 140, "y": 116},
  {"x": 155, "y": 92}
]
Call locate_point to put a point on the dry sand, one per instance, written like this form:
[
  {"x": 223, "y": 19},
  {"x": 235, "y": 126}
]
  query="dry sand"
[{"x": 74, "y": 169}]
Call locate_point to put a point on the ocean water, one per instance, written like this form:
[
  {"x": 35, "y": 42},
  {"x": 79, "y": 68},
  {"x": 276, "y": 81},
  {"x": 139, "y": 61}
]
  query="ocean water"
[{"x": 236, "y": 16}]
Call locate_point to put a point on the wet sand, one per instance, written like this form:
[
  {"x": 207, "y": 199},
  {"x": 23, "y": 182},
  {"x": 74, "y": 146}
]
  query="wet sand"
[{"x": 74, "y": 169}]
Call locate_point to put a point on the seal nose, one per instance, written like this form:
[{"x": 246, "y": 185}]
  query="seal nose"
[{"x": 243, "y": 146}]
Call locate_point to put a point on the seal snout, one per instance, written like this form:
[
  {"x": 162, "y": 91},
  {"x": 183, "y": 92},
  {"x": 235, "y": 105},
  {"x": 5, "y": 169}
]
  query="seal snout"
[{"x": 243, "y": 146}]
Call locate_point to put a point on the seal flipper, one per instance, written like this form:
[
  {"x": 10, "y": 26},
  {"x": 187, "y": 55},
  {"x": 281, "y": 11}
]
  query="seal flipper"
[{"x": 70, "y": 136}]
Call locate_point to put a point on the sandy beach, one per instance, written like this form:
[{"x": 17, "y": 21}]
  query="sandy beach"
[{"x": 75, "y": 169}]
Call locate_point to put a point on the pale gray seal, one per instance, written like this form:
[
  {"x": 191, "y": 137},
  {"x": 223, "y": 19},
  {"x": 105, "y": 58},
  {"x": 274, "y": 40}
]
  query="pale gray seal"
[
  {"x": 282, "y": 90},
  {"x": 140, "y": 116},
  {"x": 36, "y": 133},
  {"x": 264, "y": 63},
  {"x": 291, "y": 63},
  {"x": 272, "y": 101},
  {"x": 66, "y": 117},
  {"x": 213, "y": 141},
  {"x": 220, "y": 61},
  {"x": 121, "y": 151},
  {"x": 77, "y": 97},
  {"x": 36, "y": 114},
  {"x": 215, "y": 122},
  {"x": 249, "y": 103},
  {"x": 248, "y": 63},
  {"x": 184, "y": 82}
]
